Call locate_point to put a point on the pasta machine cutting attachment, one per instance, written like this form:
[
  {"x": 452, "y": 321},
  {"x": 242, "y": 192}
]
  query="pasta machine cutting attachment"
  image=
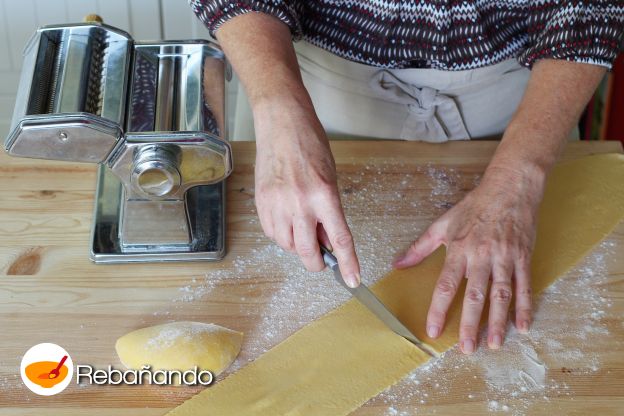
[{"x": 152, "y": 115}]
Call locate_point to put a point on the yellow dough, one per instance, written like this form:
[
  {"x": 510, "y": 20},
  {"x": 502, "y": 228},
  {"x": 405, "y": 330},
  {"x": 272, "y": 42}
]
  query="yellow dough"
[
  {"x": 335, "y": 364},
  {"x": 180, "y": 346}
]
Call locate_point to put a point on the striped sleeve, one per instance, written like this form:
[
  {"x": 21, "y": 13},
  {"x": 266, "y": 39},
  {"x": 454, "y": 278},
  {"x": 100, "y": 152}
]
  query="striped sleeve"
[
  {"x": 213, "y": 13},
  {"x": 588, "y": 31}
]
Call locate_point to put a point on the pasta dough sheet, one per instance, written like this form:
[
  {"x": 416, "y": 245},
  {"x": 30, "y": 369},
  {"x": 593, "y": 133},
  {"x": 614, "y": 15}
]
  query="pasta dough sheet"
[{"x": 335, "y": 364}]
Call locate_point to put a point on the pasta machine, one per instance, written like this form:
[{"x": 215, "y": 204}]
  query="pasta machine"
[{"x": 151, "y": 114}]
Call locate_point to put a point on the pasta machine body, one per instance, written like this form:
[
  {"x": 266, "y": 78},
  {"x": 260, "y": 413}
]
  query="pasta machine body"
[{"x": 152, "y": 115}]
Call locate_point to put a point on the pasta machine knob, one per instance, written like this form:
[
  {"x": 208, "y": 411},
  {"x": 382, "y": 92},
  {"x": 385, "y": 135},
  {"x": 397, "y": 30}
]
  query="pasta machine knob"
[{"x": 155, "y": 172}]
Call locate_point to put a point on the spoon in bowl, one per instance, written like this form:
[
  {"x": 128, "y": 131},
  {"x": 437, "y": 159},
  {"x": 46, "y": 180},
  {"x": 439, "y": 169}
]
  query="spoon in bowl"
[{"x": 55, "y": 372}]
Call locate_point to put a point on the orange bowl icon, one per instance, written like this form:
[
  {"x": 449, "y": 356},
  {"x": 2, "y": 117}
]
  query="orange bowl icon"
[{"x": 40, "y": 373}]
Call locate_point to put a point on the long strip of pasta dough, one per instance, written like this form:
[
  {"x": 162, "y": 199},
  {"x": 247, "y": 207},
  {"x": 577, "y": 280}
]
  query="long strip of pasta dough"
[{"x": 335, "y": 364}]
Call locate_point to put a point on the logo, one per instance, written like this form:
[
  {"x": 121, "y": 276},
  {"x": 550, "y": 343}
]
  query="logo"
[{"x": 46, "y": 369}]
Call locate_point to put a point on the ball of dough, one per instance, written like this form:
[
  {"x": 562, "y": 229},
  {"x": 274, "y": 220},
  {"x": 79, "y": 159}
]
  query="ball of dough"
[{"x": 180, "y": 346}]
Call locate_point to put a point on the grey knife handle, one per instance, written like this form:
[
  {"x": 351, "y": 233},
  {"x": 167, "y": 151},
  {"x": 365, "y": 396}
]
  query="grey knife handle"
[
  {"x": 331, "y": 262},
  {"x": 329, "y": 259}
]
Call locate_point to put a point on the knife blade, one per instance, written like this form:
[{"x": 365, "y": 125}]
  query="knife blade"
[{"x": 376, "y": 306}]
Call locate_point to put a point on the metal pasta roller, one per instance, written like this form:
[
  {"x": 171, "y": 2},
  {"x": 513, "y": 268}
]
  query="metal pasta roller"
[{"x": 152, "y": 115}]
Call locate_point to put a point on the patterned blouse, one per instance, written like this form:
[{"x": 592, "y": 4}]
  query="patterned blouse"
[{"x": 442, "y": 34}]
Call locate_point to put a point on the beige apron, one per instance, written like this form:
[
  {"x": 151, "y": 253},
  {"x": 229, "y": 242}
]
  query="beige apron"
[{"x": 354, "y": 100}]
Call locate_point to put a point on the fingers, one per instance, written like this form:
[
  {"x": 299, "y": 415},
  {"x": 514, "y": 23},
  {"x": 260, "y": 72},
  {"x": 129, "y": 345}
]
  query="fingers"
[
  {"x": 426, "y": 244},
  {"x": 306, "y": 243},
  {"x": 450, "y": 277},
  {"x": 478, "y": 271},
  {"x": 341, "y": 241},
  {"x": 524, "y": 303},
  {"x": 500, "y": 298},
  {"x": 266, "y": 221},
  {"x": 323, "y": 238},
  {"x": 478, "y": 275},
  {"x": 283, "y": 230}
]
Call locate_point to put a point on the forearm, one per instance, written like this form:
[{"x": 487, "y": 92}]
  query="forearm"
[
  {"x": 554, "y": 99},
  {"x": 260, "y": 49}
]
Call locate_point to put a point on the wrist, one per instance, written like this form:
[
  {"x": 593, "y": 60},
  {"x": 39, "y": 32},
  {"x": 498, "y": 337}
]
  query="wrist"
[
  {"x": 286, "y": 102},
  {"x": 530, "y": 149},
  {"x": 524, "y": 182},
  {"x": 530, "y": 172},
  {"x": 286, "y": 120},
  {"x": 525, "y": 155}
]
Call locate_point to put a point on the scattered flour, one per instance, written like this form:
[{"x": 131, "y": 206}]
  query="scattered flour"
[{"x": 168, "y": 336}]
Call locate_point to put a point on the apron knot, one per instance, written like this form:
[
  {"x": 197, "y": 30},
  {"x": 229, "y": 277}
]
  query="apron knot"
[{"x": 432, "y": 117}]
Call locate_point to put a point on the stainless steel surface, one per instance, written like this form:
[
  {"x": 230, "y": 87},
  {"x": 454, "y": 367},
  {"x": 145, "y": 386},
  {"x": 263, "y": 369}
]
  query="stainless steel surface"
[
  {"x": 372, "y": 302},
  {"x": 194, "y": 161},
  {"x": 71, "y": 137},
  {"x": 138, "y": 233},
  {"x": 155, "y": 172},
  {"x": 153, "y": 115},
  {"x": 69, "y": 87},
  {"x": 206, "y": 209},
  {"x": 172, "y": 89},
  {"x": 174, "y": 152},
  {"x": 76, "y": 72},
  {"x": 195, "y": 101},
  {"x": 201, "y": 159},
  {"x": 166, "y": 97}
]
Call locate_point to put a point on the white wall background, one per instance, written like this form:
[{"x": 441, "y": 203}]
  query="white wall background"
[{"x": 143, "y": 19}]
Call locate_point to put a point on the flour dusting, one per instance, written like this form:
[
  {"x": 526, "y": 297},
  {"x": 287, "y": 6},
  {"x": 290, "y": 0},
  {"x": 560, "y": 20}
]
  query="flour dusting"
[{"x": 169, "y": 334}]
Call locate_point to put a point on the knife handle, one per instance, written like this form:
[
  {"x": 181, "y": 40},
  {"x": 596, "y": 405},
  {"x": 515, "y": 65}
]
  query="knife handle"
[
  {"x": 329, "y": 259},
  {"x": 331, "y": 262}
]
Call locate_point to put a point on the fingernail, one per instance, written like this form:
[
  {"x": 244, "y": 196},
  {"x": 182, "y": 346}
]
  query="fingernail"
[
  {"x": 353, "y": 280},
  {"x": 433, "y": 331},
  {"x": 468, "y": 346},
  {"x": 524, "y": 327},
  {"x": 399, "y": 259},
  {"x": 497, "y": 341}
]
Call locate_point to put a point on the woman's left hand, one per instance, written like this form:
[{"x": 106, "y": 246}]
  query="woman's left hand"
[{"x": 488, "y": 235}]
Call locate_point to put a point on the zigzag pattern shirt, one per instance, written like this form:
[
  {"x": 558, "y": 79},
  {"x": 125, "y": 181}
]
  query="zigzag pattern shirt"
[{"x": 447, "y": 35}]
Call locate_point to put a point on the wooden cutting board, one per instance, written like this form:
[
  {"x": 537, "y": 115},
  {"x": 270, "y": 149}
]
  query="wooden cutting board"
[{"x": 51, "y": 292}]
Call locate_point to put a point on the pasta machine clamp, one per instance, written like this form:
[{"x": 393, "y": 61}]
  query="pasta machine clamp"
[{"x": 151, "y": 114}]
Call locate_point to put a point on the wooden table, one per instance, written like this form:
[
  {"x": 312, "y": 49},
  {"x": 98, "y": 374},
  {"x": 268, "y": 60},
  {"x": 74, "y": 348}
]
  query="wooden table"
[{"x": 51, "y": 292}]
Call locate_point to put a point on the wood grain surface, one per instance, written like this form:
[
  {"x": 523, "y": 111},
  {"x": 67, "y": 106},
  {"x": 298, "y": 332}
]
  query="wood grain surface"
[{"x": 51, "y": 292}]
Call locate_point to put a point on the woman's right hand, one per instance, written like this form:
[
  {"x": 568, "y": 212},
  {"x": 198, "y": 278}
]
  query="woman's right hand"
[{"x": 296, "y": 191}]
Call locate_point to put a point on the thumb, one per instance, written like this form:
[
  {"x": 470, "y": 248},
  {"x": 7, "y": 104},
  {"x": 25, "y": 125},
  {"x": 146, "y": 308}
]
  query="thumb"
[{"x": 426, "y": 244}]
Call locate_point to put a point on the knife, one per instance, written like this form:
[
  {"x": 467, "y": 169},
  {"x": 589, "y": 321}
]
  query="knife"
[{"x": 372, "y": 302}]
